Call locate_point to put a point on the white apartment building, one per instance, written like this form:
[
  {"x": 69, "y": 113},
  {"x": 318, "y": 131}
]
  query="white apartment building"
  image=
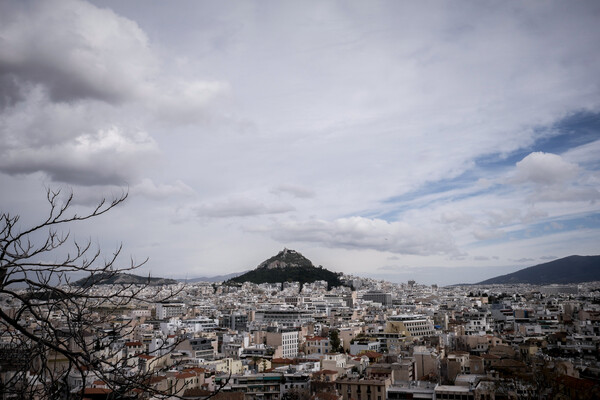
[
  {"x": 286, "y": 318},
  {"x": 415, "y": 326},
  {"x": 289, "y": 343},
  {"x": 285, "y": 341},
  {"x": 478, "y": 324},
  {"x": 169, "y": 310},
  {"x": 199, "y": 324},
  {"x": 364, "y": 345}
]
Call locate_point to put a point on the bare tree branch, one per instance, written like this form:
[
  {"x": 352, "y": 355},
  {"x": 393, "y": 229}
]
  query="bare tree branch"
[{"x": 62, "y": 334}]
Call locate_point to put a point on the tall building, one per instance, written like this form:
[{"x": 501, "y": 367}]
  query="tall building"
[{"x": 285, "y": 341}]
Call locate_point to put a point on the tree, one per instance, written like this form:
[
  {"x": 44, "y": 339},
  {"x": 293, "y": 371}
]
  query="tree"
[
  {"x": 57, "y": 335},
  {"x": 334, "y": 341}
]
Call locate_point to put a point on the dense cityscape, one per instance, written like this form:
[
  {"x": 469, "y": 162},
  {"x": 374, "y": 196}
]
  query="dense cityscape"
[{"x": 365, "y": 340}]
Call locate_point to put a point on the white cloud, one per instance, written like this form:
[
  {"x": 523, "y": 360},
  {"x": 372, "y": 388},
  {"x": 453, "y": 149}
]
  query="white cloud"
[
  {"x": 294, "y": 190},
  {"x": 456, "y": 218},
  {"x": 524, "y": 260},
  {"x": 366, "y": 233},
  {"x": 82, "y": 86},
  {"x": 571, "y": 194},
  {"x": 146, "y": 187},
  {"x": 509, "y": 216},
  {"x": 487, "y": 234},
  {"x": 72, "y": 143},
  {"x": 544, "y": 169},
  {"x": 185, "y": 102},
  {"x": 239, "y": 207},
  {"x": 584, "y": 154},
  {"x": 504, "y": 216},
  {"x": 553, "y": 179},
  {"x": 556, "y": 225}
]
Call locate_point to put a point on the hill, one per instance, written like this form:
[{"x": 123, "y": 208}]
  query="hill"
[
  {"x": 572, "y": 269},
  {"x": 288, "y": 266},
  {"x": 123, "y": 279}
]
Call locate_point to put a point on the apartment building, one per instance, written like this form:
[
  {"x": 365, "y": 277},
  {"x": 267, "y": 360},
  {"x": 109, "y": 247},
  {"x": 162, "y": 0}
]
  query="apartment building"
[
  {"x": 377, "y": 296},
  {"x": 170, "y": 310},
  {"x": 415, "y": 326},
  {"x": 285, "y": 318},
  {"x": 363, "y": 389},
  {"x": 285, "y": 342},
  {"x": 317, "y": 345}
]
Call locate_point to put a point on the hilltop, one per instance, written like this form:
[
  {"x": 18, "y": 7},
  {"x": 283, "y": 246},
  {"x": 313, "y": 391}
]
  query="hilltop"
[
  {"x": 288, "y": 266},
  {"x": 572, "y": 269}
]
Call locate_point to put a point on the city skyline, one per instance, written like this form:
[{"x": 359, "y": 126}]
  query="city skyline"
[{"x": 443, "y": 142}]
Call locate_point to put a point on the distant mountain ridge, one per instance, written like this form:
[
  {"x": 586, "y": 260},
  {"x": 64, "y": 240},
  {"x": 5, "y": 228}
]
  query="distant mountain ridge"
[
  {"x": 216, "y": 278},
  {"x": 572, "y": 269},
  {"x": 123, "y": 279},
  {"x": 288, "y": 266}
]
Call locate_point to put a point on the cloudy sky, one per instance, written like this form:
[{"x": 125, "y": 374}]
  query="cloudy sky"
[{"x": 440, "y": 141}]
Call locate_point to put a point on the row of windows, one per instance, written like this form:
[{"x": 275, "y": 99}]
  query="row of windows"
[
  {"x": 452, "y": 396},
  {"x": 358, "y": 388}
]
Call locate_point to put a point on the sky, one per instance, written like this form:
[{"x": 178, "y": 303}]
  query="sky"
[{"x": 444, "y": 142}]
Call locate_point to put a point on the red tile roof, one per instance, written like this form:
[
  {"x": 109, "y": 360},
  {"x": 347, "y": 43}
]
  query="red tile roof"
[
  {"x": 185, "y": 375},
  {"x": 315, "y": 338},
  {"x": 89, "y": 390}
]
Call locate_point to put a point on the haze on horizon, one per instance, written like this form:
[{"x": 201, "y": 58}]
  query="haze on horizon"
[{"x": 442, "y": 142}]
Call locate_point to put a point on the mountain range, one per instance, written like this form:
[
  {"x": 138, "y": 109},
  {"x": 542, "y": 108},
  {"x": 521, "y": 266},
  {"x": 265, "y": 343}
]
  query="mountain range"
[
  {"x": 291, "y": 266},
  {"x": 572, "y": 269}
]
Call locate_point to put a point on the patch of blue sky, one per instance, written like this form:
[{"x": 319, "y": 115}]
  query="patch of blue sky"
[
  {"x": 497, "y": 161},
  {"x": 392, "y": 209},
  {"x": 575, "y": 130},
  {"x": 544, "y": 228},
  {"x": 432, "y": 188}
]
